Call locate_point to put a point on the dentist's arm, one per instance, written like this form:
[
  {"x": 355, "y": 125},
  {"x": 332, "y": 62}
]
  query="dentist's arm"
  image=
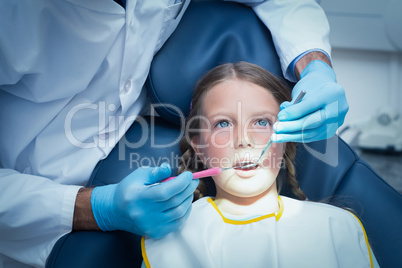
[
  {"x": 34, "y": 213},
  {"x": 84, "y": 219},
  {"x": 306, "y": 59},
  {"x": 298, "y": 27}
]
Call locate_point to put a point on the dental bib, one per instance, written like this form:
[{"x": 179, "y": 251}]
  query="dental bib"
[{"x": 301, "y": 234}]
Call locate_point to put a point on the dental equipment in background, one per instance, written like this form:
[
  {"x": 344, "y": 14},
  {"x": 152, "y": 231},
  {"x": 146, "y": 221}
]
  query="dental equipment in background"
[{"x": 215, "y": 171}]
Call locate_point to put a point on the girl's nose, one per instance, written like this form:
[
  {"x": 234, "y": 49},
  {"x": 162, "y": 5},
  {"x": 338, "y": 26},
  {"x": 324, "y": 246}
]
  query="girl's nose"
[{"x": 244, "y": 140}]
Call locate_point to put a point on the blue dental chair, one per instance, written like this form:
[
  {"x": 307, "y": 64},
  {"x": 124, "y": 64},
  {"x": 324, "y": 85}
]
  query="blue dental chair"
[{"x": 211, "y": 33}]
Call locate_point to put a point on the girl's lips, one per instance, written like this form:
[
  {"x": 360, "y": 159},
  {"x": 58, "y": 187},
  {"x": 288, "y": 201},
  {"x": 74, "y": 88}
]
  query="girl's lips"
[
  {"x": 248, "y": 172},
  {"x": 241, "y": 164}
]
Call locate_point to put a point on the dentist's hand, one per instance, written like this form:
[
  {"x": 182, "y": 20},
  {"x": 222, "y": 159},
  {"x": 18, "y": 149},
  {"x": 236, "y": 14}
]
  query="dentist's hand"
[
  {"x": 319, "y": 114},
  {"x": 134, "y": 206}
]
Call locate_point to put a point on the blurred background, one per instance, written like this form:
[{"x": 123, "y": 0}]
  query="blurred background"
[{"x": 366, "y": 38}]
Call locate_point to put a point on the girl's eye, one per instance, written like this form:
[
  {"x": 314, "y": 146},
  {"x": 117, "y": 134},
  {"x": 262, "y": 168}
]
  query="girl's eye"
[
  {"x": 222, "y": 124},
  {"x": 263, "y": 122}
]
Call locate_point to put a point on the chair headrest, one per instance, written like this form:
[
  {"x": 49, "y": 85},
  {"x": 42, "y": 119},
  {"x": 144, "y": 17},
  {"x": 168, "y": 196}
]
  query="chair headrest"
[{"x": 208, "y": 35}]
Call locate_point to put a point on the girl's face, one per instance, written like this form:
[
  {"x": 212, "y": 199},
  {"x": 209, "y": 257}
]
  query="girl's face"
[{"x": 236, "y": 123}]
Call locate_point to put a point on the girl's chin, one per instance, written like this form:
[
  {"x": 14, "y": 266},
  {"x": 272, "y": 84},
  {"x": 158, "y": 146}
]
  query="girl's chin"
[
  {"x": 247, "y": 188},
  {"x": 248, "y": 193},
  {"x": 246, "y": 173},
  {"x": 252, "y": 173}
]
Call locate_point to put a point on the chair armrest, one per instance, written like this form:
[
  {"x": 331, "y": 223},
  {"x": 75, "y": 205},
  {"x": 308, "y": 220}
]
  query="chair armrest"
[{"x": 96, "y": 249}]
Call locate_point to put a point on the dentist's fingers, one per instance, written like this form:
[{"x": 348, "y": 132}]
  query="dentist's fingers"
[
  {"x": 305, "y": 136},
  {"x": 318, "y": 118},
  {"x": 179, "y": 186},
  {"x": 313, "y": 126},
  {"x": 313, "y": 102}
]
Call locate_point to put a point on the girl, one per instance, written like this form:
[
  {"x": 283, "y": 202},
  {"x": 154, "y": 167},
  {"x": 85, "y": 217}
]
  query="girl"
[{"x": 246, "y": 223}]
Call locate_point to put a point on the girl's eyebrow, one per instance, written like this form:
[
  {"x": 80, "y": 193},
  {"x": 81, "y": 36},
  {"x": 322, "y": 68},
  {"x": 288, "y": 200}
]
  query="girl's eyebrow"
[
  {"x": 265, "y": 113},
  {"x": 231, "y": 114},
  {"x": 219, "y": 112},
  {"x": 222, "y": 114}
]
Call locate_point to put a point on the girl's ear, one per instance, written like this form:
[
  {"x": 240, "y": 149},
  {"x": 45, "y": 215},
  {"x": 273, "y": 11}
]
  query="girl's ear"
[{"x": 195, "y": 144}]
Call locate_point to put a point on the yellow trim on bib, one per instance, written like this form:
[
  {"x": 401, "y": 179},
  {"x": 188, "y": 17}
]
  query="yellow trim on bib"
[
  {"x": 281, "y": 208},
  {"x": 365, "y": 237},
  {"x": 144, "y": 253},
  {"x": 277, "y": 216}
]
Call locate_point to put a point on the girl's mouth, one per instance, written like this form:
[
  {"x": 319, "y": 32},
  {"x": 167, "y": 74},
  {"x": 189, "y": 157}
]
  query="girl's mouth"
[{"x": 246, "y": 165}]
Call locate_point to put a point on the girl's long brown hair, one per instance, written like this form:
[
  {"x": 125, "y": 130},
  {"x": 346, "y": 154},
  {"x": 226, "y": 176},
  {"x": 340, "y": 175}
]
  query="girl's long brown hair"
[{"x": 247, "y": 72}]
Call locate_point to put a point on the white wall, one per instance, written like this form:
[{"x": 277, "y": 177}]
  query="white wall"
[
  {"x": 366, "y": 36},
  {"x": 372, "y": 80}
]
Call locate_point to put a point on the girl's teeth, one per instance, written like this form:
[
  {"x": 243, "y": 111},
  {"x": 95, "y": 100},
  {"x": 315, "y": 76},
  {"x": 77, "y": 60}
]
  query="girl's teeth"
[{"x": 243, "y": 164}]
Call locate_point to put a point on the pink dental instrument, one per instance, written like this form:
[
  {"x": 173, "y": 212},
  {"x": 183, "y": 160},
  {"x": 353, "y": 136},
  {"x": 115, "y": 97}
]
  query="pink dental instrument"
[{"x": 203, "y": 174}]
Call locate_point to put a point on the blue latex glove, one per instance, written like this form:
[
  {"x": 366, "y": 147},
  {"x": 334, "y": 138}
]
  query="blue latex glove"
[
  {"x": 320, "y": 113},
  {"x": 134, "y": 206}
]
